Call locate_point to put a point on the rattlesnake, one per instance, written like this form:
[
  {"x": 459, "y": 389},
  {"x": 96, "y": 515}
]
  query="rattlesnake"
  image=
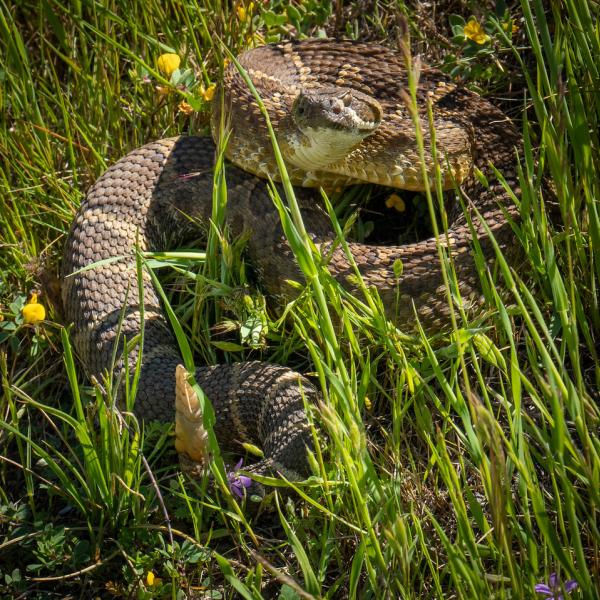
[{"x": 340, "y": 117}]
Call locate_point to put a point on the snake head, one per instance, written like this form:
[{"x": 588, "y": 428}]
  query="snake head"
[
  {"x": 328, "y": 124},
  {"x": 337, "y": 109}
]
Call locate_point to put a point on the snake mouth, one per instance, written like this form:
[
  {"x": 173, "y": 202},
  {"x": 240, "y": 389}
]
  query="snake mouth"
[{"x": 338, "y": 110}]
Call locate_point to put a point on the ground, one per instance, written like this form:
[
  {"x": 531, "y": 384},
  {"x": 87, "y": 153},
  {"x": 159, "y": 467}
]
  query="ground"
[{"x": 460, "y": 465}]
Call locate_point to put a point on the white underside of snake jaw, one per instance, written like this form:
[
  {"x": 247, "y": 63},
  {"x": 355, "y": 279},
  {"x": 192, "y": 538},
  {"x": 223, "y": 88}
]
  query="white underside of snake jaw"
[{"x": 316, "y": 148}]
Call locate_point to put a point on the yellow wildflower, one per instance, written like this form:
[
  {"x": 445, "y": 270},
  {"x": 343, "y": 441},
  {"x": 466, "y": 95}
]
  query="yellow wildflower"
[
  {"x": 394, "y": 201},
  {"x": 474, "y": 31},
  {"x": 242, "y": 13},
  {"x": 152, "y": 579},
  {"x": 185, "y": 108},
  {"x": 368, "y": 403},
  {"x": 168, "y": 63},
  {"x": 511, "y": 25},
  {"x": 208, "y": 93},
  {"x": 33, "y": 311}
]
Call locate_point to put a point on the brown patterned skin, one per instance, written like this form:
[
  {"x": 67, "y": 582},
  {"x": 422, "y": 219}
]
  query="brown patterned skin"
[
  {"x": 145, "y": 199},
  {"x": 388, "y": 157},
  {"x": 469, "y": 132}
]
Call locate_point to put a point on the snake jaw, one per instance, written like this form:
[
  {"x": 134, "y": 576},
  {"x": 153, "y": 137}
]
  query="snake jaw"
[{"x": 191, "y": 439}]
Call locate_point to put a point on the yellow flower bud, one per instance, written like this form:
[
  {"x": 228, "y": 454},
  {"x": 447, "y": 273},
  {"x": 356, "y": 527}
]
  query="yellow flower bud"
[
  {"x": 150, "y": 578},
  {"x": 209, "y": 93},
  {"x": 394, "y": 201},
  {"x": 33, "y": 311},
  {"x": 168, "y": 63},
  {"x": 244, "y": 13}
]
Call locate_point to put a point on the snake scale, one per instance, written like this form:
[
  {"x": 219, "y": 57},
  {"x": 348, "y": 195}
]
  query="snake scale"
[{"x": 340, "y": 118}]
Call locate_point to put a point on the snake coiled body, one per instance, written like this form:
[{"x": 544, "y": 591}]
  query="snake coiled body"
[{"x": 148, "y": 197}]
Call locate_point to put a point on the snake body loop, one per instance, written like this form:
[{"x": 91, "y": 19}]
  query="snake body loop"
[{"x": 340, "y": 119}]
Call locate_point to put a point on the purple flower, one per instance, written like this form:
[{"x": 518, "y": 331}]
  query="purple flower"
[
  {"x": 238, "y": 483},
  {"x": 552, "y": 589}
]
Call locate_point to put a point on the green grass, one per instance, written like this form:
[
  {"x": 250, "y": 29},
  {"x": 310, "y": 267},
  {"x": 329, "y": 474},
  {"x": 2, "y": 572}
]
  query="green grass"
[{"x": 464, "y": 464}]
